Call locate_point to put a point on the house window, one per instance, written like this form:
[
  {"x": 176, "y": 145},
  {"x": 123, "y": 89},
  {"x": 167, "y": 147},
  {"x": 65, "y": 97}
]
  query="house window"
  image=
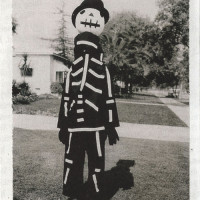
[{"x": 60, "y": 77}]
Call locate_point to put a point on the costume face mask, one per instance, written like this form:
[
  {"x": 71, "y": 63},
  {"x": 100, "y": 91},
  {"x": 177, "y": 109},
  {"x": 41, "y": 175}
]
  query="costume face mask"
[{"x": 90, "y": 20}]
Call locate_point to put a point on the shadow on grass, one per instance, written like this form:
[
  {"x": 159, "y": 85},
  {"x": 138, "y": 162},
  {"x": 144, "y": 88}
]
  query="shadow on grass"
[{"x": 118, "y": 177}]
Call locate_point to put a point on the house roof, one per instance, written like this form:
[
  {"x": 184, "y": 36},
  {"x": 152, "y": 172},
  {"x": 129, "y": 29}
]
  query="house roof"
[
  {"x": 35, "y": 53},
  {"x": 35, "y": 46},
  {"x": 50, "y": 53},
  {"x": 57, "y": 57},
  {"x": 31, "y": 44}
]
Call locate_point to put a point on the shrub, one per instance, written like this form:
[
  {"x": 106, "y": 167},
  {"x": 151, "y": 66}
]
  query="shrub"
[
  {"x": 15, "y": 88},
  {"x": 20, "y": 88},
  {"x": 21, "y": 93},
  {"x": 24, "y": 99},
  {"x": 21, "y": 99},
  {"x": 56, "y": 88},
  {"x": 24, "y": 89},
  {"x": 14, "y": 100},
  {"x": 33, "y": 97}
]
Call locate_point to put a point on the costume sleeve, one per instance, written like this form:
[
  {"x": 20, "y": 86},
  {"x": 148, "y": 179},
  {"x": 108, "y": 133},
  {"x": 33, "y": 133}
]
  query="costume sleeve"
[
  {"x": 112, "y": 119},
  {"x": 65, "y": 103}
]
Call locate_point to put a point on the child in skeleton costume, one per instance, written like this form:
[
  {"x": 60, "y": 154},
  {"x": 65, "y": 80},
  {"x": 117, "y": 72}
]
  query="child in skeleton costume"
[{"x": 88, "y": 112}]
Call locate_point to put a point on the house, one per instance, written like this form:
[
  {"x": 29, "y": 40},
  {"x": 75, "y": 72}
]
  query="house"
[
  {"x": 45, "y": 67},
  {"x": 41, "y": 70}
]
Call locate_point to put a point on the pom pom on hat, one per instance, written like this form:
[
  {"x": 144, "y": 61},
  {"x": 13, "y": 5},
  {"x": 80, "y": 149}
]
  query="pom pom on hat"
[{"x": 96, "y": 4}]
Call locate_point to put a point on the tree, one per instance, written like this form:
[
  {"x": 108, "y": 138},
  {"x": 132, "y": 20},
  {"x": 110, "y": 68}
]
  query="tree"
[
  {"x": 114, "y": 48},
  {"x": 173, "y": 19},
  {"x": 173, "y": 23},
  {"x": 62, "y": 43},
  {"x": 125, "y": 47},
  {"x": 142, "y": 53}
]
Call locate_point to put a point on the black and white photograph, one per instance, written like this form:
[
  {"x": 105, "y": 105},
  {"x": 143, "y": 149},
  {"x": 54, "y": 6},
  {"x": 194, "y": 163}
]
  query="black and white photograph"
[{"x": 100, "y": 100}]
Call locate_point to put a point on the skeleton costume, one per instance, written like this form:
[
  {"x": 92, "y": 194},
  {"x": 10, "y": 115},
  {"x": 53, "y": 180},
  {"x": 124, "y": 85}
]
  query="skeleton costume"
[{"x": 88, "y": 113}]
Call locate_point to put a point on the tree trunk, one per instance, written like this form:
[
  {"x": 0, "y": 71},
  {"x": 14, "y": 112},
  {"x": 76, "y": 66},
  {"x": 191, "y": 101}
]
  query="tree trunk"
[
  {"x": 126, "y": 86},
  {"x": 130, "y": 88}
]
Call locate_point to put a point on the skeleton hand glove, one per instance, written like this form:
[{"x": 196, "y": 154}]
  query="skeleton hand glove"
[
  {"x": 112, "y": 135},
  {"x": 63, "y": 136}
]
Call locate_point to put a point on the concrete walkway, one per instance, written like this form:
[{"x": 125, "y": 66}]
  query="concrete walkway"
[
  {"x": 154, "y": 132},
  {"x": 180, "y": 109}
]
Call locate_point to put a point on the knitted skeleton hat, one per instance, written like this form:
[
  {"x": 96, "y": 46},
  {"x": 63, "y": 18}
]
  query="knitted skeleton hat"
[{"x": 96, "y": 4}]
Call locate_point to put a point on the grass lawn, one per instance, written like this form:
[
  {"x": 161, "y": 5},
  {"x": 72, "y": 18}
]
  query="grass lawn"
[
  {"x": 133, "y": 113},
  {"x": 41, "y": 107},
  {"x": 142, "y": 98},
  {"x": 148, "y": 114},
  {"x": 51, "y": 106},
  {"x": 135, "y": 168}
]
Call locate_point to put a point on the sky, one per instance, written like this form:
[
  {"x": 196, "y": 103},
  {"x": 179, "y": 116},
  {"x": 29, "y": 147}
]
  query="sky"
[{"x": 37, "y": 18}]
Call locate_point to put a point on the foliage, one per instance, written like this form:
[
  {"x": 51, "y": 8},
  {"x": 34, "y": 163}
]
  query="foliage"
[
  {"x": 173, "y": 24},
  {"x": 144, "y": 53},
  {"x": 33, "y": 97},
  {"x": 126, "y": 47},
  {"x": 184, "y": 69},
  {"x": 56, "y": 88},
  {"x": 20, "y": 88},
  {"x": 20, "y": 99},
  {"x": 62, "y": 42},
  {"x": 24, "y": 89},
  {"x": 173, "y": 19},
  {"x": 21, "y": 93},
  {"x": 15, "y": 88}
]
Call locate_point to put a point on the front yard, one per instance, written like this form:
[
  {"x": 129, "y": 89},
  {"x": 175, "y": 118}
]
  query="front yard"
[
  {"x": 132, "y": 113},
  {"x": 142, "y": 98},
  {"x": 135, "y": 168},
  {"x": 48, "y": 107}
]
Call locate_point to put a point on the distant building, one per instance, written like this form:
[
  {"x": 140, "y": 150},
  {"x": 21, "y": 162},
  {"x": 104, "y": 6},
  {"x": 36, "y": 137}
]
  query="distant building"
[{"x": 44, "y": 69}]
